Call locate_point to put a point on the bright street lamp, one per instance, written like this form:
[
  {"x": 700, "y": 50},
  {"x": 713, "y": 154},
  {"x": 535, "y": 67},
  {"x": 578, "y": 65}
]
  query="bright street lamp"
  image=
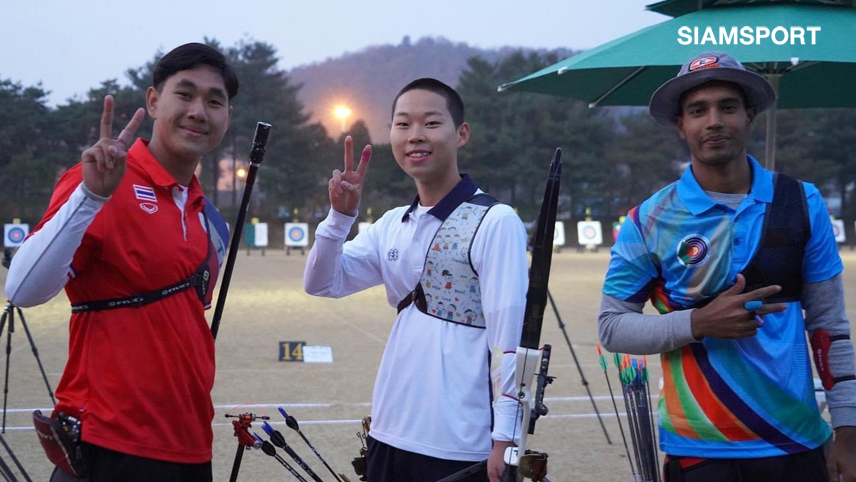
[{"x": 342, "y": 112}]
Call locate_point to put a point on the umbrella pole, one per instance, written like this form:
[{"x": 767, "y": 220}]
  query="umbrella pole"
[{"x": 770, "y": 146}]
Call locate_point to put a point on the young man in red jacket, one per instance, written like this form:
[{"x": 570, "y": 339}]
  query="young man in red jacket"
[{"x": 131, "y": 238}]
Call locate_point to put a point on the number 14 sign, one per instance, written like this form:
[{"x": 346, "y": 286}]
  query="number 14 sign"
[
  {"x": 299, "y": 351},
  {"x": 291, "y": 350}
]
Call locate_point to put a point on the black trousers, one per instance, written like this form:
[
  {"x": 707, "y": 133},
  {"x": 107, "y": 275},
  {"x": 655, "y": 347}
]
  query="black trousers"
[
  {"x": 389, "y": 464},
  {"x": 110, "y": 466},
  {"x": 803, "y": 467}
]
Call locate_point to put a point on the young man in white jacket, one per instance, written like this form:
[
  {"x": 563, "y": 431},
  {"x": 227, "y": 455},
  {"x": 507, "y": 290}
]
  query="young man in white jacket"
[{"x": 434, "y": 411}]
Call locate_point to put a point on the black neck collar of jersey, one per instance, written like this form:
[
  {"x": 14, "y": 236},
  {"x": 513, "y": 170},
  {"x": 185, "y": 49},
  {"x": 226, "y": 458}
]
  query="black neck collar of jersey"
[{"x": 463, "y": 191}]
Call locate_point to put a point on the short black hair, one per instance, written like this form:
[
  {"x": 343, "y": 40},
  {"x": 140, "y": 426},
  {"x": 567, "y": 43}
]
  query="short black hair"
[
  {"x": 188, "y": 56},
  {"x": 453, "y": 99}
]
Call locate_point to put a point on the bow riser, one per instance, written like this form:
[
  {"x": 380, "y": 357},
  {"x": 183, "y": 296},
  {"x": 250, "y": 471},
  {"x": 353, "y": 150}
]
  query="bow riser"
[{"x": 527, "y": 367}]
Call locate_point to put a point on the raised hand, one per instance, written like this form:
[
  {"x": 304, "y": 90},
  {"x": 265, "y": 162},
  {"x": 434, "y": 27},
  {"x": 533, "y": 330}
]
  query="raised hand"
[
  {"x": 346, "y": 187},
  {"x": 726, "y": 317},
  {"x": 104, "y": 162}
]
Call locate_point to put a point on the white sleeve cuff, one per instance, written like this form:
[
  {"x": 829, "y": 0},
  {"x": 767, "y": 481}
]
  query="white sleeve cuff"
[
  {"x": 506, "y": 422},
  {"x": 91, "y": 195},
  {"x": 336, "y": 225}
]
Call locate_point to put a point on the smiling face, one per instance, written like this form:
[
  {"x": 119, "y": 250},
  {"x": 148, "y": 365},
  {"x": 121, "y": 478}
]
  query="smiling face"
[
  {"x": 424, "y": 138},
  {"x": 191, "y": 113},
  {"x": 715, "y": 121}
]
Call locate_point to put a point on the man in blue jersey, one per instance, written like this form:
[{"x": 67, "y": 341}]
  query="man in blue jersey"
[{"x": 737, "y": 401}]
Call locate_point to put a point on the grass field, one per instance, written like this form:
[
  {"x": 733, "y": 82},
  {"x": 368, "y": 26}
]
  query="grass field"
[{"x": 267, "y": 304}]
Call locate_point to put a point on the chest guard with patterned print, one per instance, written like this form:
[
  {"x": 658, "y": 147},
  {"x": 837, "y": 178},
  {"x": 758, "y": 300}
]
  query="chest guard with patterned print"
[{"x": 449, "y": 286}]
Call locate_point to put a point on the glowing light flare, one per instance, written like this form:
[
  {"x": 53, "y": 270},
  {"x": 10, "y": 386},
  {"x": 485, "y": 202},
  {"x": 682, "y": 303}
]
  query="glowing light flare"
[
  {"x": 241, "y": 172},
  {"x": 342, "y": 112}
]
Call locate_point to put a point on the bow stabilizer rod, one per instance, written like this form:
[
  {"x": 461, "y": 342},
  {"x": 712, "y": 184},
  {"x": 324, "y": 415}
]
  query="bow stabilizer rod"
[{"x": 257, "y": 155}]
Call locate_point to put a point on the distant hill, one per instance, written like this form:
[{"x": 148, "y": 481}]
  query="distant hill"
[{"x": 368, "y": 80}]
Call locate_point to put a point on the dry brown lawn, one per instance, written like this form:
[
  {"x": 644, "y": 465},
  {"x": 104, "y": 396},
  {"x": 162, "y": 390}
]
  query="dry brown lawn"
[{"x": 267, "y": 305}]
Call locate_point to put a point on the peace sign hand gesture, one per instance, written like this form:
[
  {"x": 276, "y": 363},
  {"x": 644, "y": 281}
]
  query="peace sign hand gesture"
[
  {"x": 104, "y": 163},
  {"x": 346, "y": 188}
]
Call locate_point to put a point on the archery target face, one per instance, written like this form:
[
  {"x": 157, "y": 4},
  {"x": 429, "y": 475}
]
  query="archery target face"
[
  {"x": 295, "y": 234},
  {"x": 589, "y": 233},
  {"x": 559, "y": 234},
  {"x": 838, "y": 230},
  {"x": 14, "y": 234}
]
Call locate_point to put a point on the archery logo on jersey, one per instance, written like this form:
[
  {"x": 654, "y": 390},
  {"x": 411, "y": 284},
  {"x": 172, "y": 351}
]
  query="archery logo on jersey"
[
  {"x": 693, "y": 250},
  {"x": 392, "y": 255}
]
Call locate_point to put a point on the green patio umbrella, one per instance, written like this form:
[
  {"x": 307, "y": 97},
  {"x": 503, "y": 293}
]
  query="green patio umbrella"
[
  {"x": 628, "y": 70},
  {"x": 676, "y": 8}
]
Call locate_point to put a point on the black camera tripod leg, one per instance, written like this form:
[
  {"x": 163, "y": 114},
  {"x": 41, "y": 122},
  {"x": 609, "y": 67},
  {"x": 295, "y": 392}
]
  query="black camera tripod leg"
[
  {"x": 15, "y": 459},
  {"x": 9, "y": 313},
  {"x": 35, "y": 353}
]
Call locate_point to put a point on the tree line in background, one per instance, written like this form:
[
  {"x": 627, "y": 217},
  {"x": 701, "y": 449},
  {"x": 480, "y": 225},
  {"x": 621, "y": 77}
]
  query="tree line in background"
[{"x": 614, "y": 157}]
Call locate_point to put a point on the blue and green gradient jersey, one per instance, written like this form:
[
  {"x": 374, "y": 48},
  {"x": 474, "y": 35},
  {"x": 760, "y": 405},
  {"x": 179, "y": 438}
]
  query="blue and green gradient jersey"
[{"x": 752, "y": 397}]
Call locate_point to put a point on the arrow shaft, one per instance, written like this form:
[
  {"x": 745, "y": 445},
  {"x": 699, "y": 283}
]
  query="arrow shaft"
[
  {"x": 631, "y": 422},
  {"x": 620, "y": 427},
  {"x": 289, "y": 468},
  {"x": 645, "y": 432},
  {"x": 318, "y": 455},
  {"x": 299, "y": 461},
  {"x": 653, "y": 423}
]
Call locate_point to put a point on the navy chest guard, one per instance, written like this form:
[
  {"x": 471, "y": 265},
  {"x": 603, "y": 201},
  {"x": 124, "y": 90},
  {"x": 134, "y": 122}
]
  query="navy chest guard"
[
  {"x": 779, "y": 258},
  {"x": 784, "y": 236},
  {"x": 449, "y": 287}
]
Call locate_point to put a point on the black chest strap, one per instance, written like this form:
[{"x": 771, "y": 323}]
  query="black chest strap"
[
  {"x": 416, "y": 296},
  {"x": 198, "y": 280},
  {"x": 136, "y": 301},
  {"x": 786, "y": 231}
]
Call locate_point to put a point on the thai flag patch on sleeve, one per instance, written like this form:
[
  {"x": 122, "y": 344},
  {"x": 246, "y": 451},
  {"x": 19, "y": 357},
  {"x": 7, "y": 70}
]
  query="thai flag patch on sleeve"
[{"x": 145, "y": 193}]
